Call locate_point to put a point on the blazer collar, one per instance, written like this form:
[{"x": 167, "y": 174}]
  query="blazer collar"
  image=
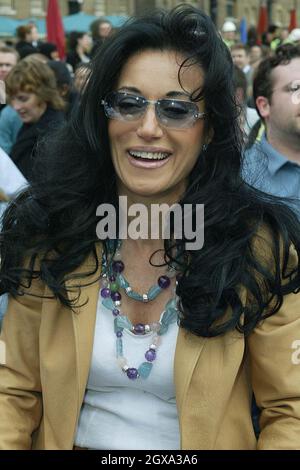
[{"x": 84, "y": 318}]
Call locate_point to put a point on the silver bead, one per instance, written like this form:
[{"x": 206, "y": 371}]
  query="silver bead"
[
  {"x": 125, "y": 368},
  {"x": 117, "y": 303},
  {"x": 157, "y": 340},
  {"x": 147, "y": 328},
  {"x": 155, "y": 326},
  {"x": 172, "y": 273},
  {"x": 128, "y": 289},
  {"x": 122, "y": 361},
  {"x": 153, "y": 346},
  {"x": 105, "y": 283},
  {"x": 117, "y": 256},
  {"x": 145, "y": 298}
]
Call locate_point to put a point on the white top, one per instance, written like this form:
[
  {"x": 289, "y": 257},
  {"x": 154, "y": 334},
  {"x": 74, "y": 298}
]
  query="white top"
[
  {"x": 11, "y": 179},
  {"x": 251, "y": 117},
  {"x": 123, "y": 414}
]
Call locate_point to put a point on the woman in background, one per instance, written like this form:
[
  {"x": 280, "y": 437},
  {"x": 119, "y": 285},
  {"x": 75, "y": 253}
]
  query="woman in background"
[
  {"x": 79, "y": 49},
  {"x": 32, "y": 91}
]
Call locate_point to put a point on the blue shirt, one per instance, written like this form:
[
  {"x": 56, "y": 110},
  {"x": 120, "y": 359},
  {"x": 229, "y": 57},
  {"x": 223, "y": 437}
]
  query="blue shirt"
[
  {"x": 271, "y": 172},
  {"x": 10, "y": 124}
]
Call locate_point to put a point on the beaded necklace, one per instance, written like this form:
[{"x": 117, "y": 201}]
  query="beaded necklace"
[{"x": 112, "y": 282}]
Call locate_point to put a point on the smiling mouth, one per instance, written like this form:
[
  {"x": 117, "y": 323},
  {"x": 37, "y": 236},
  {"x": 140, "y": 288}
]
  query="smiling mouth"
[{"x": 148, "y": 156}]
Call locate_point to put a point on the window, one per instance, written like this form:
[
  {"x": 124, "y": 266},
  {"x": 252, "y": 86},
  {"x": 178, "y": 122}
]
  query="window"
[
  {"x": 37, "y": 7},
  {"x": 7, "y": 7},
  {"x": 230, "y": 8}
]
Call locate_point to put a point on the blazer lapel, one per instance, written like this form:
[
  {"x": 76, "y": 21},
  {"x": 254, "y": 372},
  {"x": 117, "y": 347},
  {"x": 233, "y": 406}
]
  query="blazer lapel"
[
  {"x": 84, "y": 317},
  {"x": 187, "y": 354}
]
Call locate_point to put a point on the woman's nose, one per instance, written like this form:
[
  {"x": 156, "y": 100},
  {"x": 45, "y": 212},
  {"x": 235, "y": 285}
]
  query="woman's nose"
[{"x": 149, "y": 127}]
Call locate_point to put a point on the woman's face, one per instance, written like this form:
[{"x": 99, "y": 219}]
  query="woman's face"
[
  {"x": 29, "y": 106},
  {"x": 154, "y": 75},
  {"x": 104, "y": 30},
  {"x": 85, "y": 42}
]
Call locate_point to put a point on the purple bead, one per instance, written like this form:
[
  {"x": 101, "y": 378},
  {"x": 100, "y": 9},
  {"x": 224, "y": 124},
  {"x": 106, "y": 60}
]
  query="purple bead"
[
  {"x": 164, "y": 282},
  {"x": 119, "y": 334},
  {"x": 132, "y": 373},
  {"x": 105, "y": 292},
  {"x": 116, "y": 312},
  {"x": 118, "y": 266},
  {"x": 150, "y": 355},
  {"x": 116, "y": 296},
  {"x": 139, "y": 329},
  {"x": 112, "y": 278}
]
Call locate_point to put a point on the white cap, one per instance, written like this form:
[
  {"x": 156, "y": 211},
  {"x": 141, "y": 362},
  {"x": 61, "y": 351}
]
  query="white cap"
[
  {"x": 228, "y": 27},
  {"x": 294, "y": 35}
]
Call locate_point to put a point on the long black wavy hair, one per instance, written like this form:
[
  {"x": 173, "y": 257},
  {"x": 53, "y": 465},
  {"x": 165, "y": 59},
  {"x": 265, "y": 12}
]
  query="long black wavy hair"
[{"x": 54, "y": 222}]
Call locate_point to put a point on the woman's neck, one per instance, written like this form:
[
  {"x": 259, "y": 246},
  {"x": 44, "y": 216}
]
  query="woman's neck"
[
  {"x": 146, "y": 219},
  {"x": 80, "y": 51}
]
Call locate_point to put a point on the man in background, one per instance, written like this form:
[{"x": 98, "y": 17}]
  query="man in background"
[
  {"x": 273, "y": 164},
  {"x": 240, "y": 57},
  {"x": 8, "y": 59},
  {"x": 248, "y": 116}
]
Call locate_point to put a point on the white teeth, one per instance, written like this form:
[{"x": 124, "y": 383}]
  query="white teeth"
[{"x": 148, "y": 155}]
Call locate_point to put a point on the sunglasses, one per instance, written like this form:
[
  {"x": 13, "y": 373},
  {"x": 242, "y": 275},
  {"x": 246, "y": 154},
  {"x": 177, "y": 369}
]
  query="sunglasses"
[{"x": 177, "y": 114}]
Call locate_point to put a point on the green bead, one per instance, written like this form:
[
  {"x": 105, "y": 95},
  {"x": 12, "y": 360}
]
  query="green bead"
[
  {"x": 170, "y": 316},
  {"x": 108, "y": 303},
  {"x": 134, "y": 295},
  {"x": 163, "y": 330},
  {"x": 122, "y": 322},
  {"x": 153, "y": 292},
  {"x": 122, "y": 281},
  {"x": 145, "y": 369},
  {"x": 119, "y": 345},
  {"x": 114, "y": 286}
]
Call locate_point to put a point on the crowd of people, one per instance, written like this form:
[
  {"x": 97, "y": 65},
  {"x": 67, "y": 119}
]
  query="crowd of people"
[
  {"x": 165, "y": 110},
  {"x": 42, "y": 91}
]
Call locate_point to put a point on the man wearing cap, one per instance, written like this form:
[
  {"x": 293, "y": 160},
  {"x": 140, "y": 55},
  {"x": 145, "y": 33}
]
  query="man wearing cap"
[{"x": 229, "y": 33}]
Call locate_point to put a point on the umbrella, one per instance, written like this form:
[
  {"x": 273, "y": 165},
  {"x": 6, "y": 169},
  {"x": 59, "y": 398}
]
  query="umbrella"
[
  {"x": 293, "y": 20},
  {"x": 262, "y": 20},
  {"x": 55, "y": 29}
]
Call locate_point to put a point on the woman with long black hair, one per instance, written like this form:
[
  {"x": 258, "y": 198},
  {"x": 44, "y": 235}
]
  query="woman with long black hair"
[{"x": 146, "y": 342}]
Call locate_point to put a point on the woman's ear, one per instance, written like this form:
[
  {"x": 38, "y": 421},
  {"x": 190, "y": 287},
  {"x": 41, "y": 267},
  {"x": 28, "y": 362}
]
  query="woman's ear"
[{"x": 209, "y": 135}]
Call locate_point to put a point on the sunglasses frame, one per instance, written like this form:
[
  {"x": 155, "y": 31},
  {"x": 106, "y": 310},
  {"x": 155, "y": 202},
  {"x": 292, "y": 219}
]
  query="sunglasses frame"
[{"x": 197, "y": 114}]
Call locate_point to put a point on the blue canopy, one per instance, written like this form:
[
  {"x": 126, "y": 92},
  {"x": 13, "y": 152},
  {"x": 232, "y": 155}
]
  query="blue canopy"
[
  {"x": 7, "y": 26},
  {"x": 81, "y": 21},
  {"x": 78, "y": 22}
]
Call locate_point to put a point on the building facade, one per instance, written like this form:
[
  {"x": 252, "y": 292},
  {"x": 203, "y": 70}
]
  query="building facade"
[{"x": 279, "y": 10}]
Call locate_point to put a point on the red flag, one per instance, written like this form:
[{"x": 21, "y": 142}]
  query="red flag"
[
  {"x": 293, "y": 19},
  {"x": 55, "y": 29},
  {"x": 262, "y": 25}
]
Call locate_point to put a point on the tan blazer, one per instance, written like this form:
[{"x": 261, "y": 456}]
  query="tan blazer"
[{"x": 48, "y": 354}]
